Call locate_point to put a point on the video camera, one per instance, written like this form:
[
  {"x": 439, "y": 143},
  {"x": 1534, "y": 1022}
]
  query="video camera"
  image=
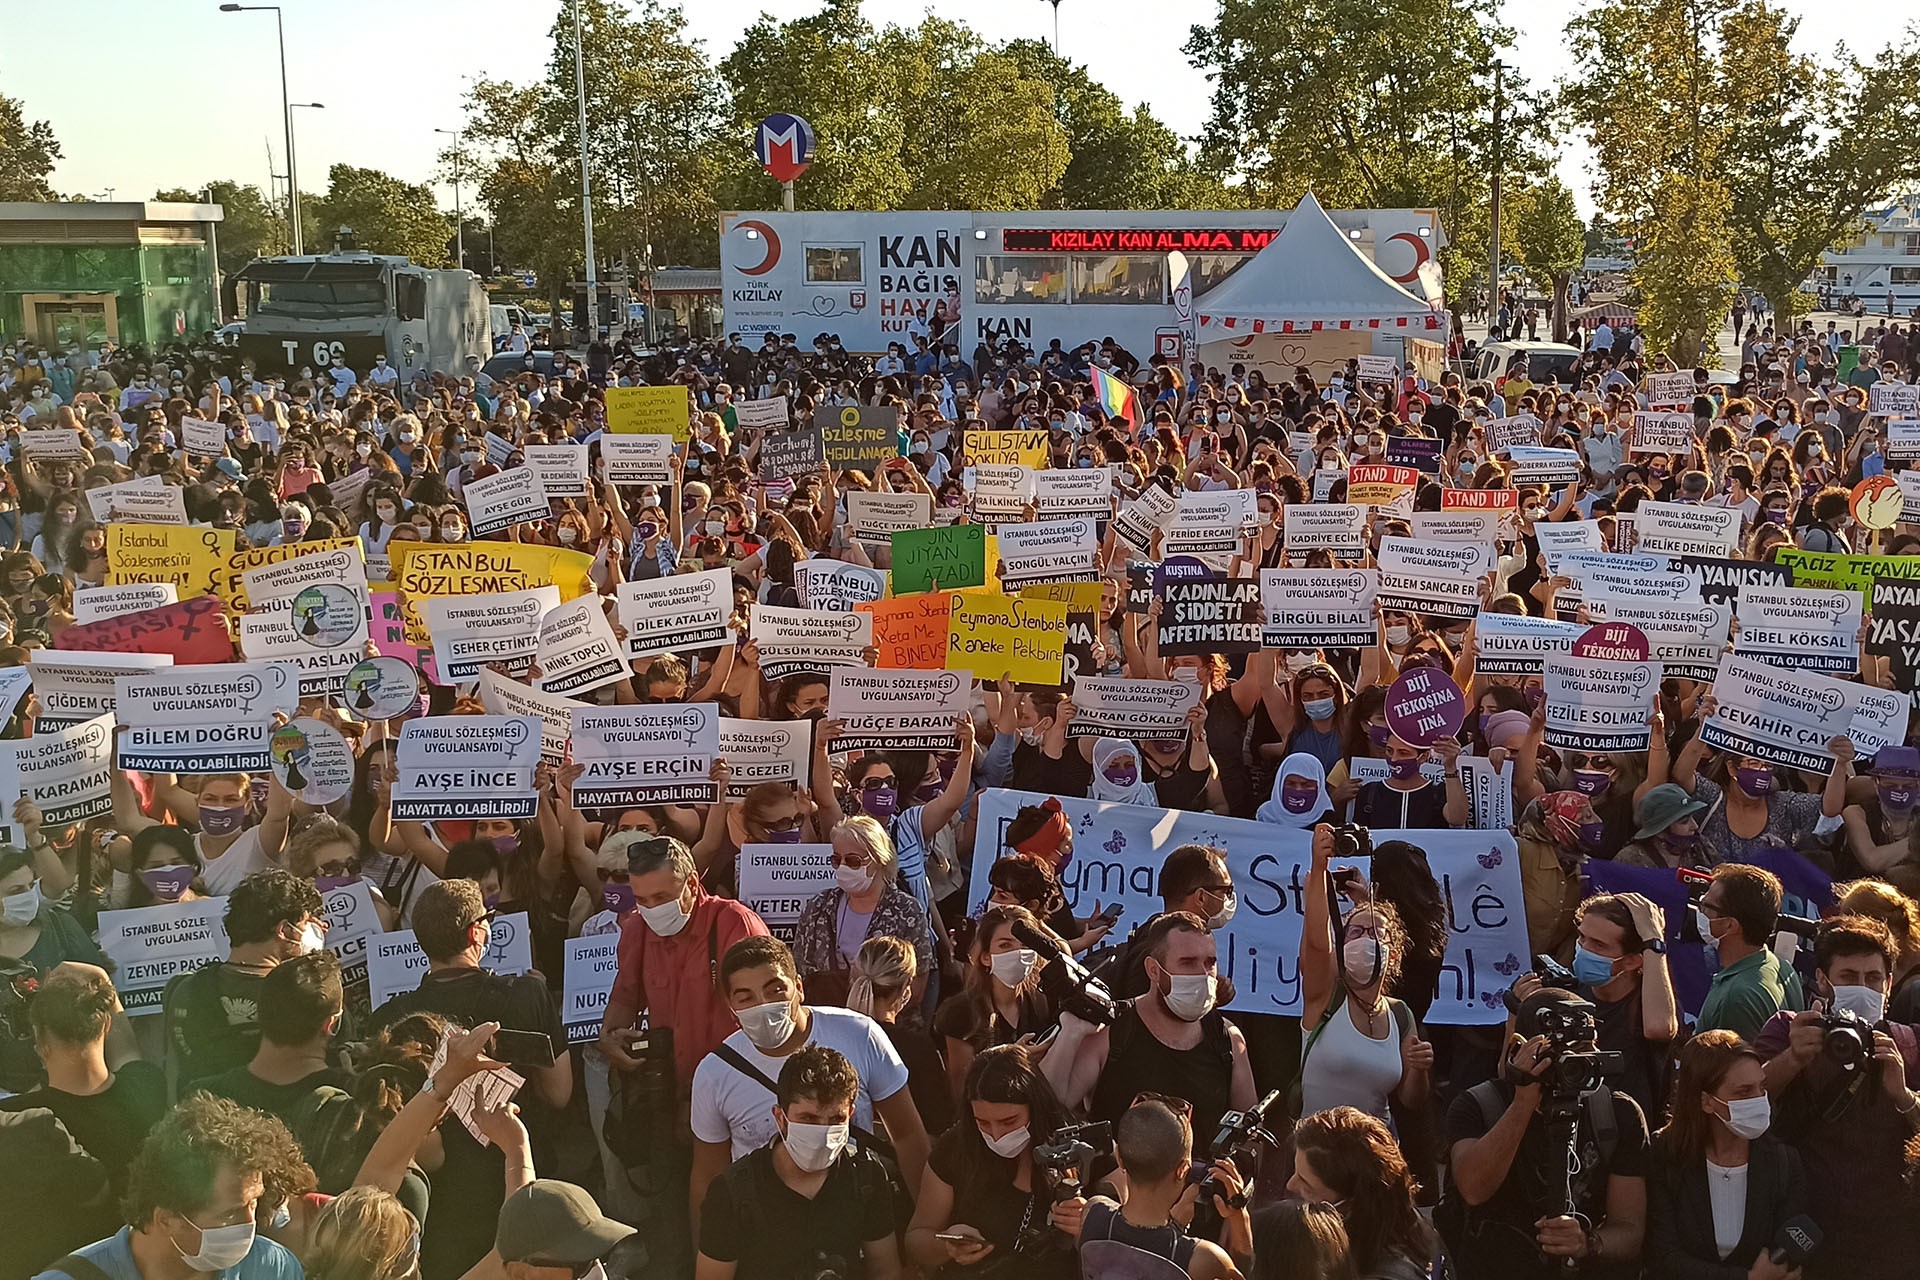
[
  {"x": 1062, "y": 1161},
  {"x": 1067, "y": 983},
  {"x": 1575, "y": 1066},
  {"x": 1241, "y": 1136}
]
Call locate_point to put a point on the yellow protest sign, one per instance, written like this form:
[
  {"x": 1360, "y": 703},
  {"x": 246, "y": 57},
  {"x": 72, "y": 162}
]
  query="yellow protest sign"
[
  {"x": 648, "y": 411},
  {"x": 1080, "y": 597},
  {"x": 187, "y": 557},
  {"x": 996, "y": 635},
  {"x": 424, "y": 569},
  {"x": 228, "y": 583},
  {"x": 1011, "y": 448}
]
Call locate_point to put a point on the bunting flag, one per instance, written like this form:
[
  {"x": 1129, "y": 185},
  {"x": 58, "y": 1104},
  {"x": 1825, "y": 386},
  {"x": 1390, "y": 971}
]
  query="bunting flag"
[{"x": 1116, "y": 397}]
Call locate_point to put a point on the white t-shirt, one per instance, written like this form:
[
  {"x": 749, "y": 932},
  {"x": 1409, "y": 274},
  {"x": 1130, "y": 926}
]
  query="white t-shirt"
[
  {"x": 731, "y": 1106},
  {"x": 222, "y": 875},
  {"x": 1727, "y": 1194}
]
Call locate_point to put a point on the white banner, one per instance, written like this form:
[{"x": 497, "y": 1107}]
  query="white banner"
[
  {"x": 778, "y": 880},
  {"x": 1204, "y": 524},
  {"x": 636, "y": 459},
  {"x": 1145, "y": 516},
  {"x": 97, "y": 604},
  {"x": 72, "y": 686},
  {"x": 1512, "y": 644},
  {"x": 1598, "y": 704},
  {"x": 685, "y": 611},
  {"x": 1003, "y": 490},
  {"x": 587, "y": 978},
  {"x": 1663, "y": 433},
  {"x": 508, "y": 498},
  {"x": 148, "y": 947},
  {"x": 1532, "y": 465},
  {"x": 504, "y": 696},
  {"x": 578, "y": 652},
  {"x": 1079, "y": 491},
  {"x": 100, "y": 500},
  {"x": 466, "y": 767},
  {"x": 762, "y": 415},
  {"x": 395, "y": 962},
  {"x": 208, "y": 439},
  {"x": 1503, "y": 434},
  {"x": 1433, "y": 594},
  {"x": 562, "y": 469},
  {"x": 1687, "y": 640},
  {"x": 214, "y": 718},
  {"x": 837, "y": 587},
  {"x": 1459, "y": 559},
  {"x": 1318, "y": 608},
  {"x": 1489, "y": 792},
  {"x": 1664, "y": 389},
  {"x": 57, "y": 444},
  {"x": 351, "y": 919},
  {"x": 1336, "y": 527},
  {"x": 155, "y": 504},
  {"x": 876, "y": 517},
  {"x": 896, "y": 710},
  {"x": 1686, "y": 529},
  {"x": 67, "y": 771},
  {"x": 1556, "y": 539},
  {"x": 1893, "y": 399},
  {"x": 1457, "y": 526},
  {"x": 1113, "y": 707},
  {"x": 473, "y": 632},
  {"x": 660, "y": 754},
  {"x": 1048, "y": 551},
  {"x": 1805, "y": 628}
]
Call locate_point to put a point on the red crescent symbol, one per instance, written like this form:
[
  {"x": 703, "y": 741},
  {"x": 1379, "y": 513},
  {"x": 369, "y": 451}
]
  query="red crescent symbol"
[
  {"x": 772, "y": 258},
  {"x": 1420, "y": 254},
  {"x": 1243, "y": 342}
]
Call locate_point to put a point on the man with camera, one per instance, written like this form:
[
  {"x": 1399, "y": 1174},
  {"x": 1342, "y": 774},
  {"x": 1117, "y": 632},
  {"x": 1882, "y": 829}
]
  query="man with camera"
[
  {"x": 1736, "y": 916},
  {"x": 812, "y": 1203},
  {"x": 1548, "y": 1164},
  {"x": 1842, "y": 1081},
  {"x": 1621, "y": 961},
  {"x": 1143, "y": 1236}
]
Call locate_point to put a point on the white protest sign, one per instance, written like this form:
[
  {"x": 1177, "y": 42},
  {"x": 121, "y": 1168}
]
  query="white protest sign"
[
  {"x": 896, "y": 710},
  {"x": 876, "y": 517},
  {"x": 1204, "y": 524},
  {"x": 1457, "y": 526},
  {"x": 1687, "y": 640},
  {"x": 577, "y": 650},
  {"x": 66, "y": 771},
  {"x": 1534, "y": 465},
  {"x": 637, "y": 459},
  {"x": 685, "y": 611},
  {"x": 1318, "y": 608},
  {"x": 395, "y": 962},
  {"x": 1662, "y": 433},
  {"x": 1893, "y": 399},
  {"x": 1001, "y": 490},
  {"x": 55, "y": 444},
  {"x": 831, "y": 585},
  {"x": 505, "y": 696},
  {"x": 1465, "y": 559},
  {"x": 1902, "y": 439},
  {"x": 1643, "y": 578},
  {"x": 214, "y": 718},
  {"x": 1145, "y": 516},
  {"x": 351, "y": 919},
  {"x": 1909, "y": 496},
  {"x": 1664, "y": 389},
  {"x": 1503, "y": 434},
  {"x": 1079, "y": 491},
  {"x": 778, "y": 880},
  {"x": 760, "y": 751},
  {"x": 1806, "y": 628},
  {"x": 1556, "y": 538},
  {"x": 100, "y": 500},
  {"x": 769, "y": 414},
  {"x": 1782, "y": 717},
  {"x": 1048, "y": 551},
  {"x": 72, "y": 686},
  {"x": 150, "y": 946},
  {"x": 660, "y": 754},
  {"x": 1132, "y": 709},
  {"x": 796, "y": 640},
  {"x": 562, "y": 469},
  {"x": 1336, "y": 527},
  {"x": 499, "y": 501},
  {"x": 322, "y": 653},
  {"x": 587, "y": 975},
  {"x": 1479, "y": 874},
  {"x": 1436, "y": 595},
  {"x": 278, "y": 584},
  {"x": 1489, "y": 792},
  {"x": 348, "y": 489},
  {"x": 472, "y": 632},
  {"x": 1512, "y": 644},
  {"x": 1686, "y": 529},
  {"x": 1599, "y": 703},
  {"x": 466, "y": 767},
  {"x": 160, "y": 504},
  {"x": 208, "y": 439},
  {"x": 1375, "y": 368},
  {"x": 96, "y": 604}
]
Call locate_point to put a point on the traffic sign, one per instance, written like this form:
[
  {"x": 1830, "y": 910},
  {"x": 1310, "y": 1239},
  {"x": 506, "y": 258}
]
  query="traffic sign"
[{"x": 784, "y": 145}]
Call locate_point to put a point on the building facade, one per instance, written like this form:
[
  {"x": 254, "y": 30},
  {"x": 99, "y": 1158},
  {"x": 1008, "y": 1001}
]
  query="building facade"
[{"x": 129, "y": 272}]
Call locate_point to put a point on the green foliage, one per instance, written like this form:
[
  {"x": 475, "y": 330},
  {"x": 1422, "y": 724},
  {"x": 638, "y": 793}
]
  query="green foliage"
[
  {"x": 1550, "y": 239},
  {"x": 28, "y": 152},
  {"x": 1685, "y": 269},
  {"x": 251, "y": 228},
  {"x": 385, "y": 214}
]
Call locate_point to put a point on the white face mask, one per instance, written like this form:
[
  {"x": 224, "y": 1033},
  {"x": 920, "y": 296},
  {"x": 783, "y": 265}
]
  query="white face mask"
[
  {"x": 1748, "y": 1117},
  {"x": 1224, "y": 916},
  {"x": 815, "y": 1146},
  {"x": 1012, "y": 967},
  {"x": 220, "y": 1247},
  {"x": 1190, "y": 998},
  {"x": 768, "y": 1026},
  {"x": 21, "y": 908},
  {"x": 853, "y": 880},
  {"x": 1863, "y": 1002},
  {"x": 569, "y": 535},
  {"x": 666, "y": 919},
  {"x": 1009, "y": 1144},
  {"x": 1398, "y": 635},
  {"x": 1366, "y": 959},
  {"x": 312, "y": 938}
]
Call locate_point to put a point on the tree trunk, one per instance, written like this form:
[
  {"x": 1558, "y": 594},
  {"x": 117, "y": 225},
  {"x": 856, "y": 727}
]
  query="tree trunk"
[{"x": 1561, "y": 280}]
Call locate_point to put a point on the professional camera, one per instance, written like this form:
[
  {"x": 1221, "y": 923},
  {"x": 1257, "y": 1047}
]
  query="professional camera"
[
  {"x": 1062, "y": 1161},
  {"x": 1241, "y": 1136},
  {"x": 1067, "y": 984},
  {"x": 1849, "y": 1039},
  {"x": 1575, "y": 1065}
]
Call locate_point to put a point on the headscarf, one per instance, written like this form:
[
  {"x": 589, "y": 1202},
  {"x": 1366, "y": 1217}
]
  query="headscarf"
[
  {"x": 1303, "y": 765},
  {"x": 1560, "y": 816},
  {"x": 1118, "y": 774}
]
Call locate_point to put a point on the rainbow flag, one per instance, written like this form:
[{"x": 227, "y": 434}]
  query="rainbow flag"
[{"x": 1116, "y": 397}]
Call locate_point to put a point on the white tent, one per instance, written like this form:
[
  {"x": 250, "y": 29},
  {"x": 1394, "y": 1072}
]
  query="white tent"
[{"x": 1310, "y": 278}]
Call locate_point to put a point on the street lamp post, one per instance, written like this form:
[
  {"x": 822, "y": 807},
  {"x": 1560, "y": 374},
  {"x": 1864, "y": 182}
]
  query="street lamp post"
[
  {"x": 586, "y": 182},
  {"x": 286, "y": 111},
  {"x": 459, "y": 219}
]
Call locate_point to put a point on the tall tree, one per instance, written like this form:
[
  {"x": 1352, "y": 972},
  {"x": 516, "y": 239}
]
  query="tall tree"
[
  {"x": 385, "y": 214},
  {"x": 28, "y": 151},
  {"x": 1551, "y": 240},
  {"x": 249, "y": 228},
  {"x": 531, "y": 193}
]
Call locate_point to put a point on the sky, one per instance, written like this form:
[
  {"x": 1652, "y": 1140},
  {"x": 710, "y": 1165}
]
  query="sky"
[{"x": 194, "y": 94}]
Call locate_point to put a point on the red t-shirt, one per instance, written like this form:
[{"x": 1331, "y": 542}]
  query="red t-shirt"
[{"x": 674, "y": 979}]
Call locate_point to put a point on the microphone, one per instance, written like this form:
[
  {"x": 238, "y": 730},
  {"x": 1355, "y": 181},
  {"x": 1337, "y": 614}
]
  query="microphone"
[{"x": 1798, "y": 1239}]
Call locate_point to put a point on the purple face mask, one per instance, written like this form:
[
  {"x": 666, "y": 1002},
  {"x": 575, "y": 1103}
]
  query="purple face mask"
[
  {"x": 1756, "y": 782},
  {"x": 1897, "y": 793},
  {"x": 880, "y": 802},
  {"x": 1404, "y": 769},
  {"x": 166, "y": 884},
  {"x": 1591, "y": 833},
  {"x": 1591, "y": 782},
  {"x": 1535, "y": 695},
  {"x": 789, "y": 836},
  {"x": 506, "y": 844},
  {"x": 217, "y": 820},
  {"x": 618, "y": 897},
  {"x": 1377, "y": 734},
  {"x": 1298, "y": 799},
  {"x": 327, "y": 884}
]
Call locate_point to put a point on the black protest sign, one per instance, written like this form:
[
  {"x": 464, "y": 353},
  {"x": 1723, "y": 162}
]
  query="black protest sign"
[
  {"x": 1210, "y": 615},
  {"x": 1893, "y": 626},
  {"x": 859, "y": 437},
  {"x": 1721, "y": 579},
  {"x": 784, "y": 454},
  {"x": 1139, "y": 587}
]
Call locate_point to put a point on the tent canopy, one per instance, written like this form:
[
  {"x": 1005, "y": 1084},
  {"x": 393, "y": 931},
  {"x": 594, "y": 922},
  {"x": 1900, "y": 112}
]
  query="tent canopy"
[{"x": 1311, "y": 276}]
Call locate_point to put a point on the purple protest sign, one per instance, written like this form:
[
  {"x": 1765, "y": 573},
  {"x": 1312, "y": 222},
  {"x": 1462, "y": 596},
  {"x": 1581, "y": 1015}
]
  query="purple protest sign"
[
  {"x": 1424, "y": 706},
  {"x": 1613, "y": 642}
]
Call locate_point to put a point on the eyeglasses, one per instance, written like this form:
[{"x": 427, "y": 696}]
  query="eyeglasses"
[
  {"x": 853, "y": 860},
  {"x": 1179, "y": 1106},
  {"x": 1217, "y": 890}
]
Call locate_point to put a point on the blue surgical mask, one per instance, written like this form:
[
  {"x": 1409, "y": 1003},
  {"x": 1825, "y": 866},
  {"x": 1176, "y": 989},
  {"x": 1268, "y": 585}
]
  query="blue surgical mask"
[
  {"x": 1591, "y": 970},
  {"x": 1318, "y": 708}
]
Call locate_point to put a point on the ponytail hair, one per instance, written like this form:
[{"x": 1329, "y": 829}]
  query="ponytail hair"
[{"x": 883, "y": 968}]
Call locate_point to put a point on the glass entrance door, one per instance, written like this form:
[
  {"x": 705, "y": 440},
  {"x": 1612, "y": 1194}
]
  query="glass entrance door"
[{"x": 66, "y": 325}]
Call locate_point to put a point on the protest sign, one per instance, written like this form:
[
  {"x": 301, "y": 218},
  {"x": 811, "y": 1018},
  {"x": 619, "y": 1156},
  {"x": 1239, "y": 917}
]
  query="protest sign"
[
  {"x": 1436, "y": 595},
  {"x": 896, "y": 710},
  {"x": 995, "y": 635},
  {"x": 859, "y": 437},
  {"x": 186, "y": 558},
  {"x": 685, "y": 611},
  {"x": 500, "y": 501},
  {"x": 1809, "y": 628},
  {"x": 829, "y": 584},
  {"x": 1893, "y": 623},
  {"x": 277, "y": 583},
  {"x": 1382, "y": 486},
  {"x": 1489, "y": 792},
  {"x": 562, "y": 469},
  {"x": 66, "y": 771},
  {"x": 936, "y": 559},
  {"x": 1336, "y": 527},
  {"x": 1131, "y": 709},
  {"x": 1686, "y": 529},
  {"x": 785, "y": 454},
  {"x": 1893, "y": 399},
  {"x": 1662, "y": 433},
  {"x": 14, "y": 684},
  {"x": 148, "y": 947},
  {"x": 1456, "y": 526},
  {"x": 1532, "y": 465},
  {"x": 1600, "y": 695},
  {"x": 100, "y": 498},
  {"x": 1782, "y": 717},
  {"x": 1717, "y": 580},
  {"x": 475, "y": 569},
  {"x": 1138, "y": 521},
  {"x": 876, "y": 517},
  {"x": 795, "y": 640},
  {"x": 1502, "y": 434},
  {"x": 769, "y": 414},
  {"x": 498, "y": 448},
  {"x": 1080, "y": 491},
  {"x": 1203, "y": 524},
  {"x": 1556, "y": 538},
  {"x": 312, "y": 761},
  {"x": 1902, "y": 439},
  {"x": 1019, "y": 447},
  {"x": 472, "y": 632},
  {"x": 588, "y": 970},
  {"x": 322, "y": 637},
  {"x": 1687, "y": 640},
  {"x": 1460, "y": 559},
  {"x": 577, "y": 650},
  {"x": 1504, "y": 503},
  {"x": 1317, "y": 608},
  {"x": 466, "y": 767},
  {"x": 1210, "y": 615},
  {"x": 1048, "y": 551},
  {"x": 648, "y": 411},
  {"x": 758, "y": 751},
  {"x": 191, "y": 632},
  {"x": 633, "y": 756},
  {"x": 202, "y": 720},
  {"x": 206, "y": 439},
  {"x": 163, "y": 505},
  {"x": 1376, "y": 368},
  {"x": 1422, "y": 453},
  {"x": 1843, "y": 572},
  {"x": 1512, "y": 644},
  {"x": 351, "y": 919},
  {"x": 778, "y": 881},
  {"x": 380, "y": 688},
  {"x": 1003, "y": 492},
  {"x": 1876, "y": 503},
  {"x": 911, "y": 632},
  {"x": 637, "y": 459},
  {"x": 347, "y": 490},
  {"x": 56, "y": 444},
  {"x": 71, "y": 685},
  {"x": 396, "y": 964},
  {"x": 1642, "y": 578},
  {"x": 505, "y": 696},
  {"x": 1423, "y": 706},
  {"x": 229, "y": 580},
  {"x": 1666, "y": 389},
  {"x": 1478, "y": 873}
]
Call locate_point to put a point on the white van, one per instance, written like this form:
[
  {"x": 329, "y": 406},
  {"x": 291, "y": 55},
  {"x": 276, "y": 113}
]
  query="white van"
[{"x": 503, "y": 317}]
